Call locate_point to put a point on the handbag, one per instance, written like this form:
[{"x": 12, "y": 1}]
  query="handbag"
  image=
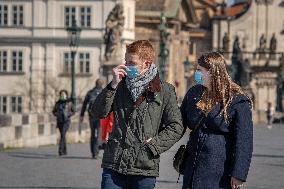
[{"x": 181, "y": 155}]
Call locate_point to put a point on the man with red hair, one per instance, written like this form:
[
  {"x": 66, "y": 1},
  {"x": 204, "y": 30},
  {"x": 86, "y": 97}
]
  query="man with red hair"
[{"x": 147, "y": 120}]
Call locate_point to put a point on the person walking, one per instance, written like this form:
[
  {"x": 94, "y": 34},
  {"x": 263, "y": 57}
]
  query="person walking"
[
  {"x": 147, "y": 120},
  {"x": 219, "y": 114},
  {"x": 63, "y": 110},
  {"x": 94, "y": 123},
  {"x": 269, "y": 115}
]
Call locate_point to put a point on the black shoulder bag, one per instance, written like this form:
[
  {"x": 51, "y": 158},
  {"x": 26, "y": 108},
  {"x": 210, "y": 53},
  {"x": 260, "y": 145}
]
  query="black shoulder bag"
[{"x": 181, "y": 154}]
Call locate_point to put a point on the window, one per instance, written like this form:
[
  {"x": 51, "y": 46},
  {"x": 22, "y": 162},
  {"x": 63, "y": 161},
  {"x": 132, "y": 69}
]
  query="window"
[
  {"x": 3, "y": 61},
  {"x": 84, "y": 61},
  {"x": 3, "y": 15},
  {"x": 3, "y": 104},
  {"x": 17, "y": 61},
  {"x": 16, "y": 104},
  {"x": 70, "y": 16},
  {"x": 67, "y": 63},
  {"x": 18, "y": 15},
  {"x": 85, "y": 16}
]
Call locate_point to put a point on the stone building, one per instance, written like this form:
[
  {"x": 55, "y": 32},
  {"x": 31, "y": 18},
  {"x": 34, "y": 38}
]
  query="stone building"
[
  {"x": 189, "y": 27},
  {"x": 259, "y": 27},
  {"x": 35, "y": 58}
]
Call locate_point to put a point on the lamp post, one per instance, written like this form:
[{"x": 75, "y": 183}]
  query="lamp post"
[
  {"x": 164, "y": 52},
  {"x": 187, "y": 66},
  {"x": 280, "y": 86},
  {"x": 74, "y": 34}
]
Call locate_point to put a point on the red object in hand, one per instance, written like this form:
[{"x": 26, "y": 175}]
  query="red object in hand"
[{"x": 106, "y": 126}]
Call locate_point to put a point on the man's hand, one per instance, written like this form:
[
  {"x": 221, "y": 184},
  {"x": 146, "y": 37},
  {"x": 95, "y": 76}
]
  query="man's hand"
[
  {"x": 235, "y": 183},
  {"x": 118, "y": 73}
]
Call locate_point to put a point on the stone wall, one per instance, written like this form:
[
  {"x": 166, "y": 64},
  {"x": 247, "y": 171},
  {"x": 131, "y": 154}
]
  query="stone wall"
[{"x": 34, "y": 130}]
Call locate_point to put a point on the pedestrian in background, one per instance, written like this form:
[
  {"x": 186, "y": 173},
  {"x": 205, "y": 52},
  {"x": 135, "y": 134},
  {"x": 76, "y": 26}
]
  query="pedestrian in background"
[
  {"x": 94, "y": 122},
  {"x": 63, "y": 110},
  {"x": 269, "y": 115},
  {"x": 219, "y": 114},
  {"x": 147, "y": 120}
]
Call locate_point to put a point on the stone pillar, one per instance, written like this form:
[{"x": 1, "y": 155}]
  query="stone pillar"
[{"x": 37, "y": 77}]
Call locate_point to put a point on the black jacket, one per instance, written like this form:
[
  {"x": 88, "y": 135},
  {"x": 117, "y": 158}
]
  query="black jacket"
[
  {"x": 63, "y": 110},
  {"x": 218, "y": 150},
  {"x": 90, "y": 98}
]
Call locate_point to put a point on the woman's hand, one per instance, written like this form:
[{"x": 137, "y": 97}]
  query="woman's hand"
[{"x": 235, "y": 183}]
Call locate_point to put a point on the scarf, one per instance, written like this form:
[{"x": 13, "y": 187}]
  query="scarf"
[{"x": 137, "y": 85}]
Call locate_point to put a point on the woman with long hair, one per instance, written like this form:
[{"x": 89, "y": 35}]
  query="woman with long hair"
[{"x": 219, "y": 114}]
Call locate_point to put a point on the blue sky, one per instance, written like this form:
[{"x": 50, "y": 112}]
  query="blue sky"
[{"x": 230, "y": 2}]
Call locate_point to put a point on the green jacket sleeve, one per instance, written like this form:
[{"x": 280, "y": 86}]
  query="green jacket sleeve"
[
  {"x": 102, "y": 106},
  {"x": 172, "y": 121}
]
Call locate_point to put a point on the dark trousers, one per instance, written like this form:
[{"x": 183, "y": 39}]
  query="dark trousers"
[
  {"x": 114, "y": 180},
  {"x": 95, "y": 136},
  {"x": 63, "y": 128}
]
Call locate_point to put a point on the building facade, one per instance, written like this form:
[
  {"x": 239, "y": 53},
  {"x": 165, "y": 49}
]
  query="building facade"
[
  {"x": 35, "y": 58},
  {"x": 259, "y": 27},
  {"x": 189, "y": 34}
]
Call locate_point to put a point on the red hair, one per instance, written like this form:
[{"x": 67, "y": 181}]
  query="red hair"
[{"x": 143, "y": 48}]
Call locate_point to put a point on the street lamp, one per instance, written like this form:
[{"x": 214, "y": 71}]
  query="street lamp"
[
  {"x": 280, "y": 86},
  {"x": 186, "y": 64},
  {"x": 164, "y": 52},
  {"x": 74, "y": 34}
]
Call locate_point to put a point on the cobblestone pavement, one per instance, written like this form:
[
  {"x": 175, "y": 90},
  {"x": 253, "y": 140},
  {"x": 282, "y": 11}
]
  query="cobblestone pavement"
[{"x": 42, "y": 168}]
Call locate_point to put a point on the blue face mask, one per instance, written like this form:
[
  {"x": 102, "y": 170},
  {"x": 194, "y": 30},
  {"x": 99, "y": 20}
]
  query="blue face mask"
[
  {"x": 132, "y": 71},
  {"x": 198, "y": 77}
]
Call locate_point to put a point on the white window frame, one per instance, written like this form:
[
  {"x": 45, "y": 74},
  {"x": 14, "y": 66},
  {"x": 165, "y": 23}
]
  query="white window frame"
[
  {"x": 17, "y": 106},
  {"x": 85, "y": 16},
  {"x": 84, "y": 62},
  {"x": 70, "y": 15},
  {"x": 2, "y": 104},
  {"x": 19, "y": 61},
  {"x": 4, "y": 13},
  {"x": 3, "y": 61},
  {"x": 17, "y": 15},
  {"x": 67, "y": 62},
  {"x": 82, "y": 14}
]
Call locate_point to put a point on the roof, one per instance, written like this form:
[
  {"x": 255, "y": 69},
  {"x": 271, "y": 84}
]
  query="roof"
[
  {"x": 235, "y": 10},
  {"x": 147, "y": 7}
]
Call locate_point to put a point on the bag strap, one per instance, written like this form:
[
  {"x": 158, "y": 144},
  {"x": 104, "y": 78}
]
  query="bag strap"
[{"x": 198, "y": 125}]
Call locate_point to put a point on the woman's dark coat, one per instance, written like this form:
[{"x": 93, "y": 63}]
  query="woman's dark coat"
[{"x": 218, "y": 150}]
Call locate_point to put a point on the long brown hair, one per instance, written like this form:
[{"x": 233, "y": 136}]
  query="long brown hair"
[{"x": 222, "y": 89}]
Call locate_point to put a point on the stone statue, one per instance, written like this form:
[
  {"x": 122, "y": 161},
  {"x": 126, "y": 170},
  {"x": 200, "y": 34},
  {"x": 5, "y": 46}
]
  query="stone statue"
[
  {"x": 113, "y": 31},
  {"x": 273, "y": 46},
  {"x": 262, "y": 43},
  {"x": 237, "y": 58},
  {"x": 226, "y": 42},
  {"x": 245, "y": 73},
  {"x": 262, "y": 46}
]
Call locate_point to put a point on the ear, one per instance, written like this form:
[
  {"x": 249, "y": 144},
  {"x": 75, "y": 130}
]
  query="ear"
[{"x": 148, "y": 63}]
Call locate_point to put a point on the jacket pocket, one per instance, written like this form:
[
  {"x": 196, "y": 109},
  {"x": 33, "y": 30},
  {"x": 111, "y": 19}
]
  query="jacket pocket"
[
  {"x": 145, "y": 159},
  {"x": 112, "y": 151}
]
